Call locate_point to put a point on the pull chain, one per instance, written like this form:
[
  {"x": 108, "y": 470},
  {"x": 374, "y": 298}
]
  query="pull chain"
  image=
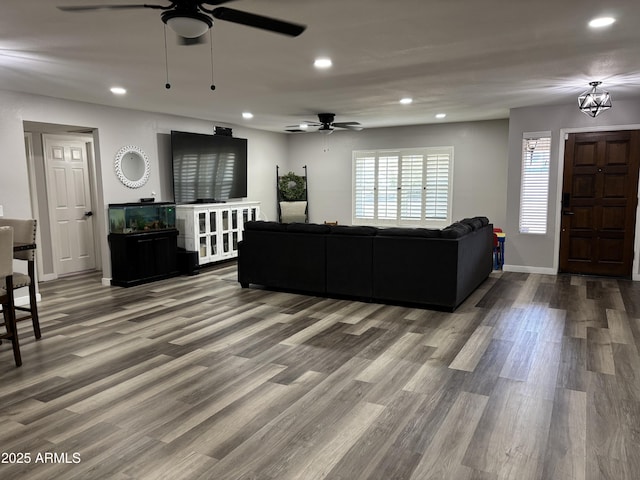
[
  {"x": 213, "y": 87},
  {"x": 166, "y": 59}
]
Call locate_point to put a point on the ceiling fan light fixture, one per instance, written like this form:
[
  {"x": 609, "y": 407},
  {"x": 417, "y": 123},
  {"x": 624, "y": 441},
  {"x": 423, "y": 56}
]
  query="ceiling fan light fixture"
[
  {"x": 595, "y": 101},
  {"x": 189, "y": 24}
]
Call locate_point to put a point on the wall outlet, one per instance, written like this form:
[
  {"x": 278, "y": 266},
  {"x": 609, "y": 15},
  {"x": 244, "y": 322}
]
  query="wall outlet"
[{"x": 1, "y": 211}]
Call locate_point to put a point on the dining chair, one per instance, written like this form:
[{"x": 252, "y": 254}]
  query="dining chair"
[
  {"x": 6, "y": 294},
  {"x": 24, "y": 231}
]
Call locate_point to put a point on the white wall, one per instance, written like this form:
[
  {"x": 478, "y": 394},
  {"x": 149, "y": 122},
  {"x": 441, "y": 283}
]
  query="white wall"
[
  {"x": 480, "y": 165},
  {"x": 116, "y": 128},
  {"x": 539, "y": 253},
  {"x": 480, "y": 153}
]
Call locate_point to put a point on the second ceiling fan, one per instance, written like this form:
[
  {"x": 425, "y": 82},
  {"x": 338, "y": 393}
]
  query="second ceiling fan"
[{"x": 325, "y": 123}]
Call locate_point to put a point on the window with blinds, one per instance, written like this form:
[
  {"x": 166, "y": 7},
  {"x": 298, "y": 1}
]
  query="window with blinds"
[
  {"x": 406, "y": 186},
  {"x": 534, "y": 189}
]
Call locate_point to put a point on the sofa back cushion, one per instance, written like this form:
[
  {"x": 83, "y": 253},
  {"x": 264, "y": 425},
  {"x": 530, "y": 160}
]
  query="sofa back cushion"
[
  {"x": 308, "y": 228},
  {"x": 260, "y": 225},
  {"x": 360, "y": 231},
  {"x": 410, "y": 232},
  {"x": 456, "y": 230},
  {"x": 475, "y": 223}
]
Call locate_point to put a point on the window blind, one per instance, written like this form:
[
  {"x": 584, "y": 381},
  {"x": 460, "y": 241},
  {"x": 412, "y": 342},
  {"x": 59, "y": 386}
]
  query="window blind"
[{"x": 534, "y": 190}]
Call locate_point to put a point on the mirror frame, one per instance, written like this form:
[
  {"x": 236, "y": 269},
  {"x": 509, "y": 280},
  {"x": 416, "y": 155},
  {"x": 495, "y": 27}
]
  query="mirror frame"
[{"x": 132, "y": 183}]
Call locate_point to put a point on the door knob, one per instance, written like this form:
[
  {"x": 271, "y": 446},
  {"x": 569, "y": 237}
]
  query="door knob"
[
  {"x": 88, "y": 214},
  {"x": 568, "y": 213}
]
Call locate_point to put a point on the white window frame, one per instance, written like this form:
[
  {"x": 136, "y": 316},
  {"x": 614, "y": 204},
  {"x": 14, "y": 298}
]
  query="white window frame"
[
  {"x": 374, "y": 172},
  {"x": 534, "y": 183}
]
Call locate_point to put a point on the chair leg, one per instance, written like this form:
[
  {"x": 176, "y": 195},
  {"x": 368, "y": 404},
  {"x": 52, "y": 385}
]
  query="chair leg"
[
  {"x": 33, "y": 305},
  {"x": 12, "y": 329}
]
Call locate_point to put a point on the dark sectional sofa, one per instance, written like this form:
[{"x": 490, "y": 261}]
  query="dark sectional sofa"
[{"x": 418, "y": 266}]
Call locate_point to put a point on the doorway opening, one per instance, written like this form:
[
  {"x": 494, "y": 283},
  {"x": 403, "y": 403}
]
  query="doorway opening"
[{"x": 64, "y": 181}]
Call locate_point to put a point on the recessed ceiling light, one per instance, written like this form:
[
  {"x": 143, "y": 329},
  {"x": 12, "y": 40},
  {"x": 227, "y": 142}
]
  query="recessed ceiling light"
[
  {"x": 406, "y": 100},
  {"x": 118, "y": 90},
  {"x": 601, "y": 22},
  {"x": 323, "y": 62},
  {"x": 441, "y": 115},
  {"x": 247, "y": 115}
]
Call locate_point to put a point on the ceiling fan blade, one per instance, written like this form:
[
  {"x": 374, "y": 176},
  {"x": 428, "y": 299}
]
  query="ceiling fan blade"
[
  {"x": 350, "y": 125},
  {"x": 308, "y": 124},
  {"x": 109, "y": 7},
  {"x": 217, "y": 2},
  {"x": 258, "y": 21}
]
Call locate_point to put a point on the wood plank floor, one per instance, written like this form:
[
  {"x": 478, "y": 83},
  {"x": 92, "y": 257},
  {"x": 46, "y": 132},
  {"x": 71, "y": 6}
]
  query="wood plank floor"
[{"x": 533, "y": 377}]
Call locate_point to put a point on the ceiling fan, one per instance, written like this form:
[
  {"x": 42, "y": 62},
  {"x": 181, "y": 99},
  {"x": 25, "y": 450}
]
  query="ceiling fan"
[
  {"x": 191, "y": 19},
  {"x": 326, "y": 124}
]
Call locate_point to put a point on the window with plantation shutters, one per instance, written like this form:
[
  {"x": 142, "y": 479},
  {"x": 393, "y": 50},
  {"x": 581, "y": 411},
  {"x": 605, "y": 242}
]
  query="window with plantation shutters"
[
  {"x": 405, "y": 186},
  {"x": 534, "y": 189}
]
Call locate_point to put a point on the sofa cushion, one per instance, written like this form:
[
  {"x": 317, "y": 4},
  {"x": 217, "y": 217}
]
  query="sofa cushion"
[
  {"x": 362, "y": 231},
  {"x": 261, "y": 225},
  {"x": 308, "y": 228},
  {"x": 410, "y": 232},
  {"x": 475, "y": 223},
  {"x": 456, "y": 230}
]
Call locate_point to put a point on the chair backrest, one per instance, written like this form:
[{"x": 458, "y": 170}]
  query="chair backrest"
[
  {"x": 6, "y": 251},
  {"x": 24, "y": 231}
]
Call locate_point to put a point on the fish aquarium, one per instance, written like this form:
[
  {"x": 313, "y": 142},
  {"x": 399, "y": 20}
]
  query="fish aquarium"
[{"x": 141, "y": 217}]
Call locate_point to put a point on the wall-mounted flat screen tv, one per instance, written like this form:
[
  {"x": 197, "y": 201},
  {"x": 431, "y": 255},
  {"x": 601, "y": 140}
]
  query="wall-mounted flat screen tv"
[{"x": 208, "y": 168}]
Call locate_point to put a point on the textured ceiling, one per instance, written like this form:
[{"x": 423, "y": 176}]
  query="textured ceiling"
[{"x": 472, "y": 59}]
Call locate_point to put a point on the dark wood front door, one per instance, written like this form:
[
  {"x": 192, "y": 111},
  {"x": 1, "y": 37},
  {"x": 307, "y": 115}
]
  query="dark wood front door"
[{"x": 599, "y": 200}]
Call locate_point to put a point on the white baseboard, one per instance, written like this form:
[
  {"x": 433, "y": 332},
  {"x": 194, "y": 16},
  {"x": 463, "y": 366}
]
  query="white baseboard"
[
  {"x": 525, "y": 269},
  {"x": 24, "y": 300},
  {"x": 546, "y": 271},
  {"x": 106, "y": 282}
]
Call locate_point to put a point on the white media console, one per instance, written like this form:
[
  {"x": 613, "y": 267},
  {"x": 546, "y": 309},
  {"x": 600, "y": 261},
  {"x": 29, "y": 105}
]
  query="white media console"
[{"x": 214, "y": 229}]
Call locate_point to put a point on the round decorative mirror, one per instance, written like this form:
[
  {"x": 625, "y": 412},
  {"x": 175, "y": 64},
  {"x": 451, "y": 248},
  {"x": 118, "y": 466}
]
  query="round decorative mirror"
[{"x": 132, "y": 166}]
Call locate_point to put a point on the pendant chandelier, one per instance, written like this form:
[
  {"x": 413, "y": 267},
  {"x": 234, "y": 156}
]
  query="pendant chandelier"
[{"x": 594, "y": 101}]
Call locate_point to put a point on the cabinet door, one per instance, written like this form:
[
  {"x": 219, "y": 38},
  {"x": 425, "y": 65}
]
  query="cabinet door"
[
  {"x": 213, "y": 234},
  {"x": 203, "y": 228},
  {"x": 143, "y": 256},
  {"x": 164, "y": 251}
]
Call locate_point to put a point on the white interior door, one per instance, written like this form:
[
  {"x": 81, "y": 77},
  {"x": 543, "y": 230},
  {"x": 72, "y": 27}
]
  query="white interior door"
[{"x": 69, "y": 197}]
